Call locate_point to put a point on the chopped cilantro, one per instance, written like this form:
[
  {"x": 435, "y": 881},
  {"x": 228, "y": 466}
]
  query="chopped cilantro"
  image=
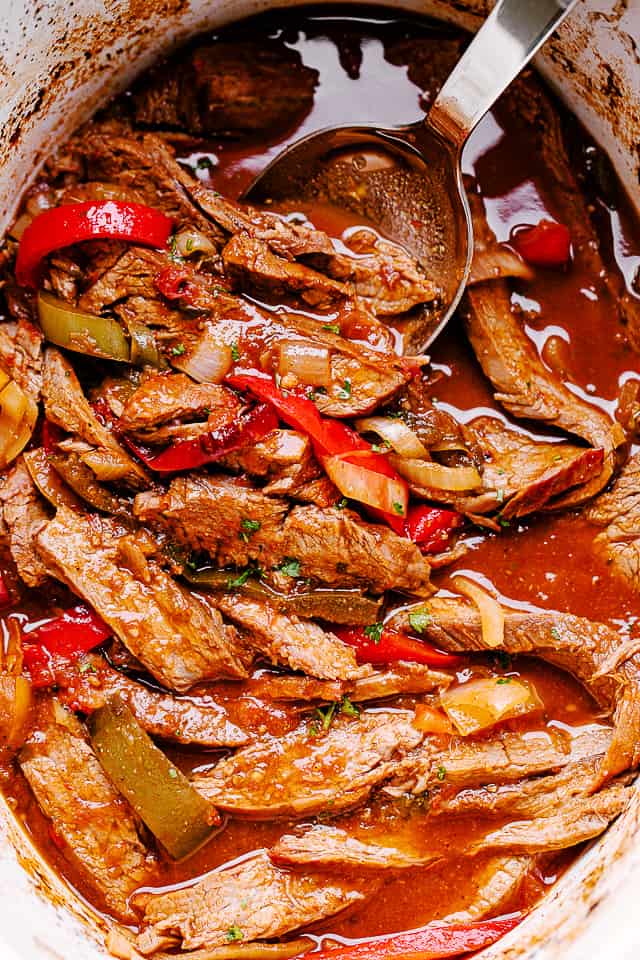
[
  {"x": 290, "y": 567},
  {"x": 173, "y": 250},
  {"x": 86, "y": 668},
  {"x": 341, "y": 504},
  {"x": 243, "y": 576},
  {"x": 374, "y": 631},
  {"x": 344, "y": 392},
  {"x": 349, "y": 709},
  {"x": 248, "y": 527},
  {"x": 178, "y": 350},
  {"x": 235, "y": 353},
  {"x": 331, "y": 327},
  {"x": 441, "y": 773},
  {"x": 419, "y": 620},
  {"x": 204, "y": 163},
  {"x": 557, "y": 457},
  {"x": 502, "y": 680},
  {"x": 234, "y": 933},
  {"x": 398, "y": 508},
  {"x": 326, "y": 715},
  {"x": 502, "y": 659},
  {"x": 189, "y": 245},
  {"x": 555, "y": 633},
  {"x": 380, "y": 447},
  {"x": 314, "y": 729},
  {"x": 173, "y": 773},
  {"x": 503, "y": 522}
]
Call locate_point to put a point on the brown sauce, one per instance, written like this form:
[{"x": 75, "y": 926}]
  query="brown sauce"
[{"x": 545, "y": 562}]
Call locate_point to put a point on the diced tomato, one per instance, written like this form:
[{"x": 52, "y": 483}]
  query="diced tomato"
[
  {"x": 176, "y": 283},
  {"x": 431, "y": 527},
  {"x": 378, "y": 644},
  {"x": 548, "y": 244},
  {"x": 209, "y": 447},
  {"x": 51, "y": 436},
  {"x": 61, "y": 641},
  {"x": 435, "y": 941},
  {"x": 91, "y": 220}
]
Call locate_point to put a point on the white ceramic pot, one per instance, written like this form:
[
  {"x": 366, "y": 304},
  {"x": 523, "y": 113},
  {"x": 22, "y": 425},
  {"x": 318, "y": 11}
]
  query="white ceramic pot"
[{"x": 59, "y": 60}]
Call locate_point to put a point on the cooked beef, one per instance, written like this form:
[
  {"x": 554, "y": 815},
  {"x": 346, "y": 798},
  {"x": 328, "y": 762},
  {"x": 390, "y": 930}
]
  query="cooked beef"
[
  {"x": 323, "y": 846},
  {"x": 310, "y": 770},
  {"x": 177, "y": 638},
  {"x": 332, "y": 546},
  {"x": 496, "y": 886},
  {"x": 526, "y": 388},
  {"x": 250, "y": 262},
  {"x": 252, "y": 896},
  {"x": 192, "y": 720},
  {"x": 399, "y": 678},
  {"x": 162, "y": 397},
  {"x": 463, "y": 762},
  {"x": 595, "y": 653},
  {"x": 66, "y": 405},
  {"x": 525, "y": 475},
  {"x": 147, "y": 165},
  {"x": 95, "y": 826},
  {"x": 132, "y": 275},
  {"x": 21, "y": 354},
  {"x": 23, "y": 515},
  {"x": 291, "y": 642},
  {"x": 231, "y": 88},
  {"x": 580, "y": 819},
  {"x": 618, "y": 512}
]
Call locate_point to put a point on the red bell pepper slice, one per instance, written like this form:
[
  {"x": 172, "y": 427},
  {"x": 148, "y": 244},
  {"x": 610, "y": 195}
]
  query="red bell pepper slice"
[
  {"x": 91, "y": 220},
  {"x": 431, "y": 527},
  {"x": 189, "y": 454},
  {"x": 62, "y": 641},
  {"x": 435, "y": 941},
  {"x": 548, "y": 244},
  {"x": 379, "y": 644},
  {"x": 5, "y": 596},
  {"x": 330, "y": 438}
]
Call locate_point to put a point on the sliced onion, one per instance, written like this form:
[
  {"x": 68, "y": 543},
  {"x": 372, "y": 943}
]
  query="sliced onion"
[
  {"x": 18, "y": 415},
  {"x": 491, "y": 612},
  {"x": 308, "y": 362},
  {"x": 22, "y": 701},
  {"x": 107, "y": 465},
  {"x": 426, "y": 473},
  {"x": 396, "y": 433},
  {"x": 190, "y": 242},
  {"x": 366, "y": 486},
  {"x": 482, "y": 703},
  {"x": 209, "y": 361},
  {"x": 429, "y": 720}
]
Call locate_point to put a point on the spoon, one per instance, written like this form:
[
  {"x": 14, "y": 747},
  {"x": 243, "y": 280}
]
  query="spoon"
[{"x": 407, "y": 180}]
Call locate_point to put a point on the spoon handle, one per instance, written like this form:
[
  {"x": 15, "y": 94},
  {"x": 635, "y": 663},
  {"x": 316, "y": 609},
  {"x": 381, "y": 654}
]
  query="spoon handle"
[{"x": 505, "y": 43}]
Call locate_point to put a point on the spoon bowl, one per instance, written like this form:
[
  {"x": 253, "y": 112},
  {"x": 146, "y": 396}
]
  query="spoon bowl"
[{"x": 407, "y": 180}]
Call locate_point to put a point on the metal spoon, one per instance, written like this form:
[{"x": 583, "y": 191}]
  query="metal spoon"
[{"x": 407, "y": 180}]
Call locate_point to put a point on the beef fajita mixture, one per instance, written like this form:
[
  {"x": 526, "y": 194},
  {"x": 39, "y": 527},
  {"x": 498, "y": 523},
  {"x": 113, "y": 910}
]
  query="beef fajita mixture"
[{"x": 308, "y": 639}]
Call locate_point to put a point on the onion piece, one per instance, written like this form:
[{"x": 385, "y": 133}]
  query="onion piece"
[
  {"x": 426, "y": 473},
  {"x": 190, "y": 242},
  {"x": 22, "y": 700},
  {"x": 482, "y": 703},
  {"x": 209, "y": 361},
  {"x": 18, "y": 415},
  {"x": 357, "y": 482},
  {"x": 491, "y": 612},
  {"x": 396, "y": 433},
  {"x": 308, "y": 362}
]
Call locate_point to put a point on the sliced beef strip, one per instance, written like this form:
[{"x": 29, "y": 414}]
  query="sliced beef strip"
[
  {"x": 190, "y": 720},
  {"x": 228, "y": 88},
  {"x": 300, "y": 645},
  {"x": 253, "y": 265},
  {"x": 131, "y": 276},
  {"x": 179, "y": 640},
  {"x": 23, "y": 515},
  {"x": 66, "y": 406},
  {"x": 463, "y": 762},
  {"x": 308, "y": 771},
  {"x": 580, "y": 819},
  {"x": 262, "y": 901},
  {"x": 496, "y": 886},
  {"x": 21, "y": 355},
  {"x": 97, "y": 827},
  {"x": 607, "y": 664},
  {"x": 526, "y": 388},
  {"x": 521, "y": 475},
  {"x": 332, "y": 546},
  {"x": 617, "y": 512},
  {"x": 163, "y": 397}
]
